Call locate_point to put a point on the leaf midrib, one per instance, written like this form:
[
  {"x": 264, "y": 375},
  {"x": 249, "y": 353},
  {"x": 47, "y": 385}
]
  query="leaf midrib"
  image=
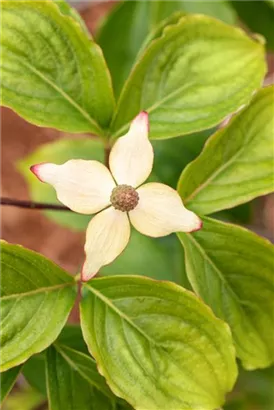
[
  {"x": 207, "y": 182},
  {"x": 60, "y": 91},
  {"x": 246, "y": 141},
  {"x": 74, "y": 366},
  {"x": 145, "y": 335},
  {"x": 215, "y": 268},
  {"x": 222, "y": 278},
  {"x": 156, "y": 104},
  {"x": 241, "y": 303},
  {"x": 44, "y": 289},
  {"x": 120, "y": 313}
]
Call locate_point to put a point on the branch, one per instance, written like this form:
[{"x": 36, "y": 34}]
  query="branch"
[{"x": 32, "y": 205}]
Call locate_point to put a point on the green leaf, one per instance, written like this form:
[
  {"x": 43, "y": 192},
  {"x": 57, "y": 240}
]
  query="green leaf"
[
  {"x": 157, "y": 345},
  {"x": 271, "y": 3},
  {"x": 258, "y": 16},
  {"x": 231, "y": 268},
  {"x": 132, "y": 22},
  {"x": 59, "y": 152},
  {"x": 241, "y": 214},
  {"x": 189, "y": 79},
  {"x": 172, "y": 155},
  {"x": 72, "y": 336},
  {"x": 53, "y": 74},
  {"x": 127, "y": 25},
  {"x": 73, "y": 381},
  {"x": 237, "y": 161},
  {"x": 36, "y": 298},
  {"x": 8, "y": 378},
  {"x": 160, "y": 27},
  {"x": 81, "y": 366},
  {"x": 72, "y": 12},
  {"x": 158, "y": 258},
  {"x": 34, "y": 369},
  {"x": 255, "y": 389},
  {"x": 220, "y": 9},
  {"x": 34, "y": 373}
]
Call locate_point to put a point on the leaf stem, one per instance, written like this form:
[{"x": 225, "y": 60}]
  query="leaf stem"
[
  {"x": 32, "y": 205},
  {"x": 107, "y": 152},
  {"x": 77, "y": 277}
]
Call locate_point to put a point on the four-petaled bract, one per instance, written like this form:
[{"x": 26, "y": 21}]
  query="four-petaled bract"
[{"x": 88, "y": 187}]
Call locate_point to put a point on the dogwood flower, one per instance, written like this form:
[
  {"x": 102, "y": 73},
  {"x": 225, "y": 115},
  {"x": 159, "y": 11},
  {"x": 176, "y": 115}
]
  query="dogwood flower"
[{"x": 117, "y": 197}]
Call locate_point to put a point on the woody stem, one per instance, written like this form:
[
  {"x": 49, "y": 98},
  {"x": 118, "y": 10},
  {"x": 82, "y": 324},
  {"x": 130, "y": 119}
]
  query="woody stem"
[{"x": 32, "y": 205}]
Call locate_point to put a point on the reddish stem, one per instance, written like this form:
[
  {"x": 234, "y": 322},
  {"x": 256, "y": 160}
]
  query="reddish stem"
[{"x": 32, "y": 205}]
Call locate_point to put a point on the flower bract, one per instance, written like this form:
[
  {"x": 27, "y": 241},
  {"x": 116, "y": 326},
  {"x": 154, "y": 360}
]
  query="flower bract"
[{"x": 117, "y": 197}]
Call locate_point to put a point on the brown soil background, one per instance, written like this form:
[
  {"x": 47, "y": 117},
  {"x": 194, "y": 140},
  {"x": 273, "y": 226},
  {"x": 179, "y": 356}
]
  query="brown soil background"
[{"x": 29, "y": 227}]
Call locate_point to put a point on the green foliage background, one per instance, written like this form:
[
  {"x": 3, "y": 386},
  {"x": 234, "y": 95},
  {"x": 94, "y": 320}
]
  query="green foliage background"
[{"x": 189, "y": 72}]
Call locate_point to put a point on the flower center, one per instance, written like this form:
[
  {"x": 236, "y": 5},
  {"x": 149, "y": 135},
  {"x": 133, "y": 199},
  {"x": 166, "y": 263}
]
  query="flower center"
[{"x": 124, "y": 197}]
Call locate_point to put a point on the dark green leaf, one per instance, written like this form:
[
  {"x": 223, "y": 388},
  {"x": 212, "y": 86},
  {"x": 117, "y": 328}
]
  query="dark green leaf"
[
  {"x": 8, "y": 378},
  {"x": 34, "y": 372},
  {"x": 222, "y": 10},
  {"x": 160, "y": 258},
  {"x": 34, "y": 368},
  {"x": 121, "y": 36},
  {"x": 73, "y": 381},
  {"x": 172, "y": 156},
  {"x": 72, "y": 337},
  {"x": 253, "y": 390},
  {"x": 258, "y": 16}
]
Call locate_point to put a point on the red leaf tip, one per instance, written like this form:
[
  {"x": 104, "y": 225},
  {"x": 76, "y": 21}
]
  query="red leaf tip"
[
  {"x": 198, "y": 227},
  {"x": 35, "y": 170}
]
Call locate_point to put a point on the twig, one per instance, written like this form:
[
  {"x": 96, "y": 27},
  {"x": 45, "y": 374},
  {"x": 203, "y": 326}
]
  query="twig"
[{"x": 32, "y": 205}]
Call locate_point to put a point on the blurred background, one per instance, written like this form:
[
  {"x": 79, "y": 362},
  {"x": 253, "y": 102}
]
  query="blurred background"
[{"x": 162, "y": 258}]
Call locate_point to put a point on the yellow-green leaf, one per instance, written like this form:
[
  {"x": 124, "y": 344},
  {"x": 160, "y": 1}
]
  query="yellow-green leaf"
[
  {"x": 53, "y": 74},
  {"x": 231, "y": 268},
  {"x": 36, "y": 298},
  {"x": 199, "y": 71},
  {"x": 157, "y": 345},
  {"x": 236, "y": 164}
]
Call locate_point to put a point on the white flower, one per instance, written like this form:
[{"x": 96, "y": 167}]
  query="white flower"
[{"x": 88, "y": 187}]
